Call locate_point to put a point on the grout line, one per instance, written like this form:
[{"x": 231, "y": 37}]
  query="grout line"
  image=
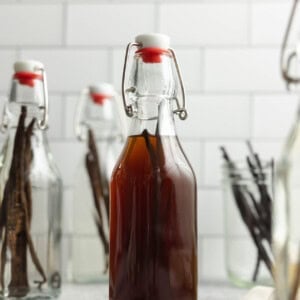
[
  {"x": 71, "y": 140},
  {"x": 199, "y": 93},
  {"x": 209, "y": 47}
]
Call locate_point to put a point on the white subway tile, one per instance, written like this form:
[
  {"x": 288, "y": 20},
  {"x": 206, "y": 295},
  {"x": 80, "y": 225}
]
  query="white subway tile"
[
  {"x": 70, "y": 109},
  {"x": 213, "y": 260},
  {"x": 190, "y": 64},
  {"x": 268, "y": 150},
  {"x": 31, "y": 24},
  {"x": 242, "y": 70},
  {"x": 216, "y": 116},
  {"x": 269, "y": 21},
  {"x": 7, "y": 59},
  {"x": 274, "y": 115},
  {"x": 118, "y": 56},
  {"x": 71, "y": 70},
  {"x": 205, "y": 23},
  {"x": 68, "y": 156},
  {"x": 213, "y": 159},
  {"x": 56, "y": 120},
  {"x": 210, "y": 212},
  {"x": 108, "y": 24}
]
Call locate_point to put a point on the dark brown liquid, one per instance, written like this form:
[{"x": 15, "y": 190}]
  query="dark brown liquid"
[{"x": 153, "y": 235}]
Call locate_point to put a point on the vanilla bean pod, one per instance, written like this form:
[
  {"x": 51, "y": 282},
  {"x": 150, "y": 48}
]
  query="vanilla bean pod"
[
  {"x": 249, "y": 213},
  {"x": 264, "y": 205},
  {"x": 259, "y": 177},
  {"x": 157, "y": 185},
  {"x": 16, "y": 212},
  {"x": 92, "y": 165}
]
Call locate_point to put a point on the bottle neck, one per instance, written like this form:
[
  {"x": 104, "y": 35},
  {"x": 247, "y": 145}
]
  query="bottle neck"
[
  {"x": 154, "y": 89},
  {"x": 154, "y": 116},
  {"x": 28, "y": 94},
  {"x": 102, "y": 118}
]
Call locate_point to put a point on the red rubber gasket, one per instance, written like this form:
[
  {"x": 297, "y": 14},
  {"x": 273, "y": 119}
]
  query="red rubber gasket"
[
  {"x": 27, "y": 78},
  {"x": 152, "y": 55}
]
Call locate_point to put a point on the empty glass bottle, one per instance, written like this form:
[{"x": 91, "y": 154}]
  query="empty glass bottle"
[
  {"x": 153, "y": 224},
  {"x": 98, "y": 127},
  {"x": 248, "y": 194},
  {"x": 30, "y": 192},
  {"x": 286, "y": 221}
]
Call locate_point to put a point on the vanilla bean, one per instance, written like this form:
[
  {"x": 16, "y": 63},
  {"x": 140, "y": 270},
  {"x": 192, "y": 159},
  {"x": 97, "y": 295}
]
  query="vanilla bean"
[
  {"x": 157, "y": 184},
  {"x": 251, "y": 215},
  {"x": 256, "y": 270},
  {"x": 92, "y": 163},
  {"x": 16, "y": 212},
  {"x": 27, "y": 201}
]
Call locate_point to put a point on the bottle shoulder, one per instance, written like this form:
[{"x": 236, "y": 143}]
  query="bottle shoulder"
[
  {"x": 43, "y": 167},
  {"x": 143, "y": 157}
]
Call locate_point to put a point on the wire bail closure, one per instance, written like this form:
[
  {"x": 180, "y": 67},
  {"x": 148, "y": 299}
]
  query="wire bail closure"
[
  {"x": 285, "y": 65},
  {"x": 78, "y": 124},
  {"x": 43, "y": 124},
  {"x": 180, "y": 111}
]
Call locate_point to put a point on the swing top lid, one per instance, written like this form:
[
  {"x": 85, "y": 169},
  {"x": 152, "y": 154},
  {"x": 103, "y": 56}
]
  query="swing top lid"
[
  {"x": 102, "y": 88},
  {"x": 153, "y": 40},
  {"x": 31, "y": 66}
]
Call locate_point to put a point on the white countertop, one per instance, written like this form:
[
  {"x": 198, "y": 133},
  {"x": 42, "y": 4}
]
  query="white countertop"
[{"x": 100, "y": 292}]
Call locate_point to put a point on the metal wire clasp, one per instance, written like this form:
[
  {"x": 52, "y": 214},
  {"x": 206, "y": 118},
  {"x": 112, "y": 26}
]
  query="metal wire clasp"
[
  {"x": 180, "y": 110},
  {"x": 43, "y": 124},
  {"x": 285, "y": 65},
  {"x": 128, "y": 108},
  {"x": 78, "y": 123}
]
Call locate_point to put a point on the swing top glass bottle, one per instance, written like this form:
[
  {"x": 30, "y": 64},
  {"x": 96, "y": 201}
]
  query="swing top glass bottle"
[
  {"x": 98, "y": 128},
  {"x": 153, "y": 233},
  {"x": 32, "y": 243}
]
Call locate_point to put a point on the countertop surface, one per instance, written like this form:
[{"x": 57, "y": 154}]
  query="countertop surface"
[{"x": 100, "y": 292}]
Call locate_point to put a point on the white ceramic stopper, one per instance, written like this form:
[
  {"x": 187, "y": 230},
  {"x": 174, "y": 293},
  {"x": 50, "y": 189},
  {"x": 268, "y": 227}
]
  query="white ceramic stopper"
[
  {"x": 102, "y": 88},
  {"x": 153, "y": 40},
  {"x": 28, "y": 66}
]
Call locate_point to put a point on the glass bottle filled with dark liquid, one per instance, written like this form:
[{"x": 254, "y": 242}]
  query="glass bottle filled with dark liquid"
[{"x": 153, "y": 223}]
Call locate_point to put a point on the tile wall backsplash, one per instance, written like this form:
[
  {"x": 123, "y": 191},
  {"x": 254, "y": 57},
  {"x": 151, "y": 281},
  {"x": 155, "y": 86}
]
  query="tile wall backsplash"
[{"x": 229, "y": 54}]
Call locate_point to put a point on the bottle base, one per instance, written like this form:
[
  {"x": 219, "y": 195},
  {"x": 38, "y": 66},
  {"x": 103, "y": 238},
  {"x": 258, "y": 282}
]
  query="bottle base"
[
  {"x": 32, "y": 294},
  {"x": 91, "y": 280},
  {"x": 246, "y": 284}
]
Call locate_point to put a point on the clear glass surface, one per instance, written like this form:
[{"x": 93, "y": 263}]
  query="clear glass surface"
[
  {"x": 153, "y": 225},
  {"x": 46, "y": 199},
  {"x": 241, "y": 253},
  {"x": 88, "y": 257},
  {"x": 286, "y": 227}
]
